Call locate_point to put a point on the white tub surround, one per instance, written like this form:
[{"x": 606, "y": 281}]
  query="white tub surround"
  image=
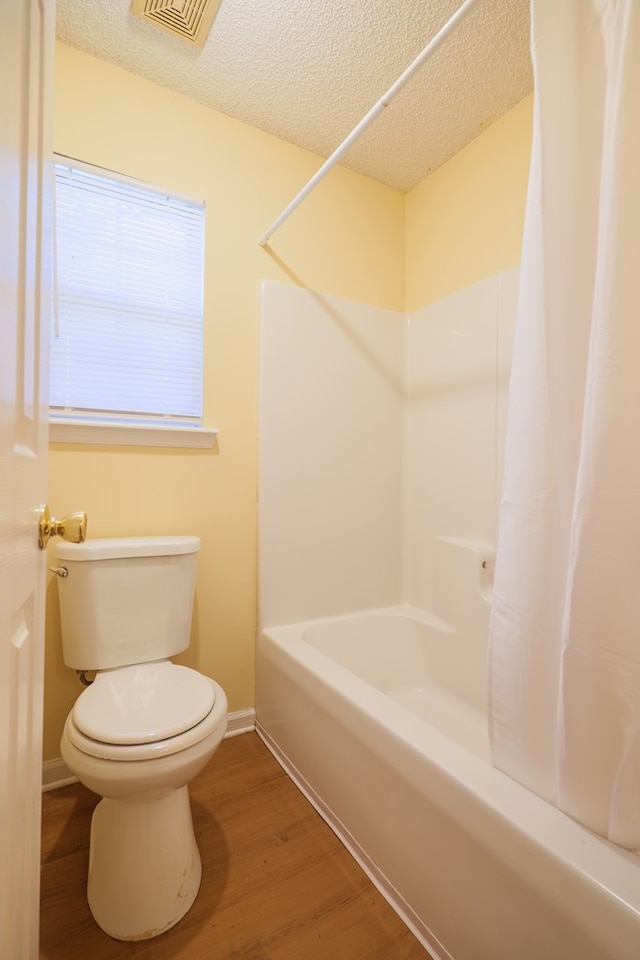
[
  {"x": 331, "y": 430},
  {"x": 380, "y": 436}
]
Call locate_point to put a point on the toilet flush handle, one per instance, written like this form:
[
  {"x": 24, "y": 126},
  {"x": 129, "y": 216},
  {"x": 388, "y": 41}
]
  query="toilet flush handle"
[{"x": 72, "y": 528}]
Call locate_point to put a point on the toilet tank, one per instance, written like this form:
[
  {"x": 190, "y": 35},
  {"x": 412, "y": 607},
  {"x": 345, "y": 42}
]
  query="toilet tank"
[{"x": 126, "y": 600}]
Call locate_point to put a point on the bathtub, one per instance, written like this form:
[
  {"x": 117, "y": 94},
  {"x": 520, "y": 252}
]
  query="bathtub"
[{"x": 380, "y": 718}]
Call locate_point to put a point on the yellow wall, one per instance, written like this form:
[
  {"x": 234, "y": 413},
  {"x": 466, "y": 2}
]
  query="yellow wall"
[
  {"x": 347, "y": 239},
  {"x": 464, "y": 222}
]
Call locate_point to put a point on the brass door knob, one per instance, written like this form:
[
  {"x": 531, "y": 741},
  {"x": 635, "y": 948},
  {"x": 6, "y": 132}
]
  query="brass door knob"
[{"x": 72, "y": 528}]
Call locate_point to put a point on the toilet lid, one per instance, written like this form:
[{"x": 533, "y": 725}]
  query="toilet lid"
[{"x": 143, "y": 703}]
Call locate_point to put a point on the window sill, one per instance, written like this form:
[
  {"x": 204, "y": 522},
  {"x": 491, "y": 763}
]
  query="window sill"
[{"x": 130, "y": 434}]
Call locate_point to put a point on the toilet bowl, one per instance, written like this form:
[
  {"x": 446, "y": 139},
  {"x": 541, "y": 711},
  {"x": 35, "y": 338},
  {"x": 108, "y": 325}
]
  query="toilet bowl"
[
  {"x": 145, "y": 869},
  {"x": 141, "y": 731}
]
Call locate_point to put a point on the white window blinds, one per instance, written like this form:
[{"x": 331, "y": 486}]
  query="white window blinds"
[{"x": 126, "y": 339}]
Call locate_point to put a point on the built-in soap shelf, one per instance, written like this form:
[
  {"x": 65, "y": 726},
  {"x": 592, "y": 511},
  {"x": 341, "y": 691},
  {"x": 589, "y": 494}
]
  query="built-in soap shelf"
[{"x": 464, "y": 579}]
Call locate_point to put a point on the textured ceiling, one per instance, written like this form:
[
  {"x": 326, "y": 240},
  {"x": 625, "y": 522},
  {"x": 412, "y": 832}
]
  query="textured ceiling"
[{"x": 309, "y": 70}]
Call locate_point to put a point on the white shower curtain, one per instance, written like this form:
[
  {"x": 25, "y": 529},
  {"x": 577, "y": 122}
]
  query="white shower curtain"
[{"x": 565, "y": 624}]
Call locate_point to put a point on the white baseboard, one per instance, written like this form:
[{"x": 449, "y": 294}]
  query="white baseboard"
[
  {"x": 55, "y": 773},
  {"x": 240, "y": 721}
]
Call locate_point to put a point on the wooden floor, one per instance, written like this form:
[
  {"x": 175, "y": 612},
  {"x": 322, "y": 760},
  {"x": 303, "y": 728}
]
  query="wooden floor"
[{"x": 276, "y": 885}]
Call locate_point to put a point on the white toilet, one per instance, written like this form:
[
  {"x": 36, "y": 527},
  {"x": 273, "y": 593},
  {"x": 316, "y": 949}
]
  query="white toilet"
[{"x": 142, "y": 730}]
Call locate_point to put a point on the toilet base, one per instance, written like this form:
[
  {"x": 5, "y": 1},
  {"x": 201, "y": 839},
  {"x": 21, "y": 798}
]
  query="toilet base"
[{"x": 144, "y": 865}]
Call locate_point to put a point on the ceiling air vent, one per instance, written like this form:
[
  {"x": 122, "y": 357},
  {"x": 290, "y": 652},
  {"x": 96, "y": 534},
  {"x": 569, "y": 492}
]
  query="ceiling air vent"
[{"x": 189, "y": 19}]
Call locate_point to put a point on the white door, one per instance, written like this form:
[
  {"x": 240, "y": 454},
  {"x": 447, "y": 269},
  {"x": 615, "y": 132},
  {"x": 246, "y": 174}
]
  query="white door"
[{"x": 26, "y": 77}]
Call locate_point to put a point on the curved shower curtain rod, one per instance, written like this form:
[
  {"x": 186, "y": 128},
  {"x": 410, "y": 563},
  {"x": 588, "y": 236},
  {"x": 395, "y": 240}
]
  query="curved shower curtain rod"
[{"x": 375, "y": 111}]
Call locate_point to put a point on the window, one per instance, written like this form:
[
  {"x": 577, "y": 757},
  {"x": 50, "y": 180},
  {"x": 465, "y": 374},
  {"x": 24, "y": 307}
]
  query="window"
[{"x": 127, "y": 324}]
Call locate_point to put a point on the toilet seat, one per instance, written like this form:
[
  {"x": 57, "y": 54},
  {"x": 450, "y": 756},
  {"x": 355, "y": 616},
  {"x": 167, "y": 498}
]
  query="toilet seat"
[
  {"x": 175, "y": 708},
  {"x": 145, "y": 751},
  {"x": 143, "y": 703}
]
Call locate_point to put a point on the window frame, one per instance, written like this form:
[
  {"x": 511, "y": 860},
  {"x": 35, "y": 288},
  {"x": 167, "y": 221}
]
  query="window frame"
[{"x": 121, "y": 428}]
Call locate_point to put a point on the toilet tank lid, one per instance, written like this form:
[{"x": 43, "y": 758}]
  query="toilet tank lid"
[{"x": 116, "y": 547}]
